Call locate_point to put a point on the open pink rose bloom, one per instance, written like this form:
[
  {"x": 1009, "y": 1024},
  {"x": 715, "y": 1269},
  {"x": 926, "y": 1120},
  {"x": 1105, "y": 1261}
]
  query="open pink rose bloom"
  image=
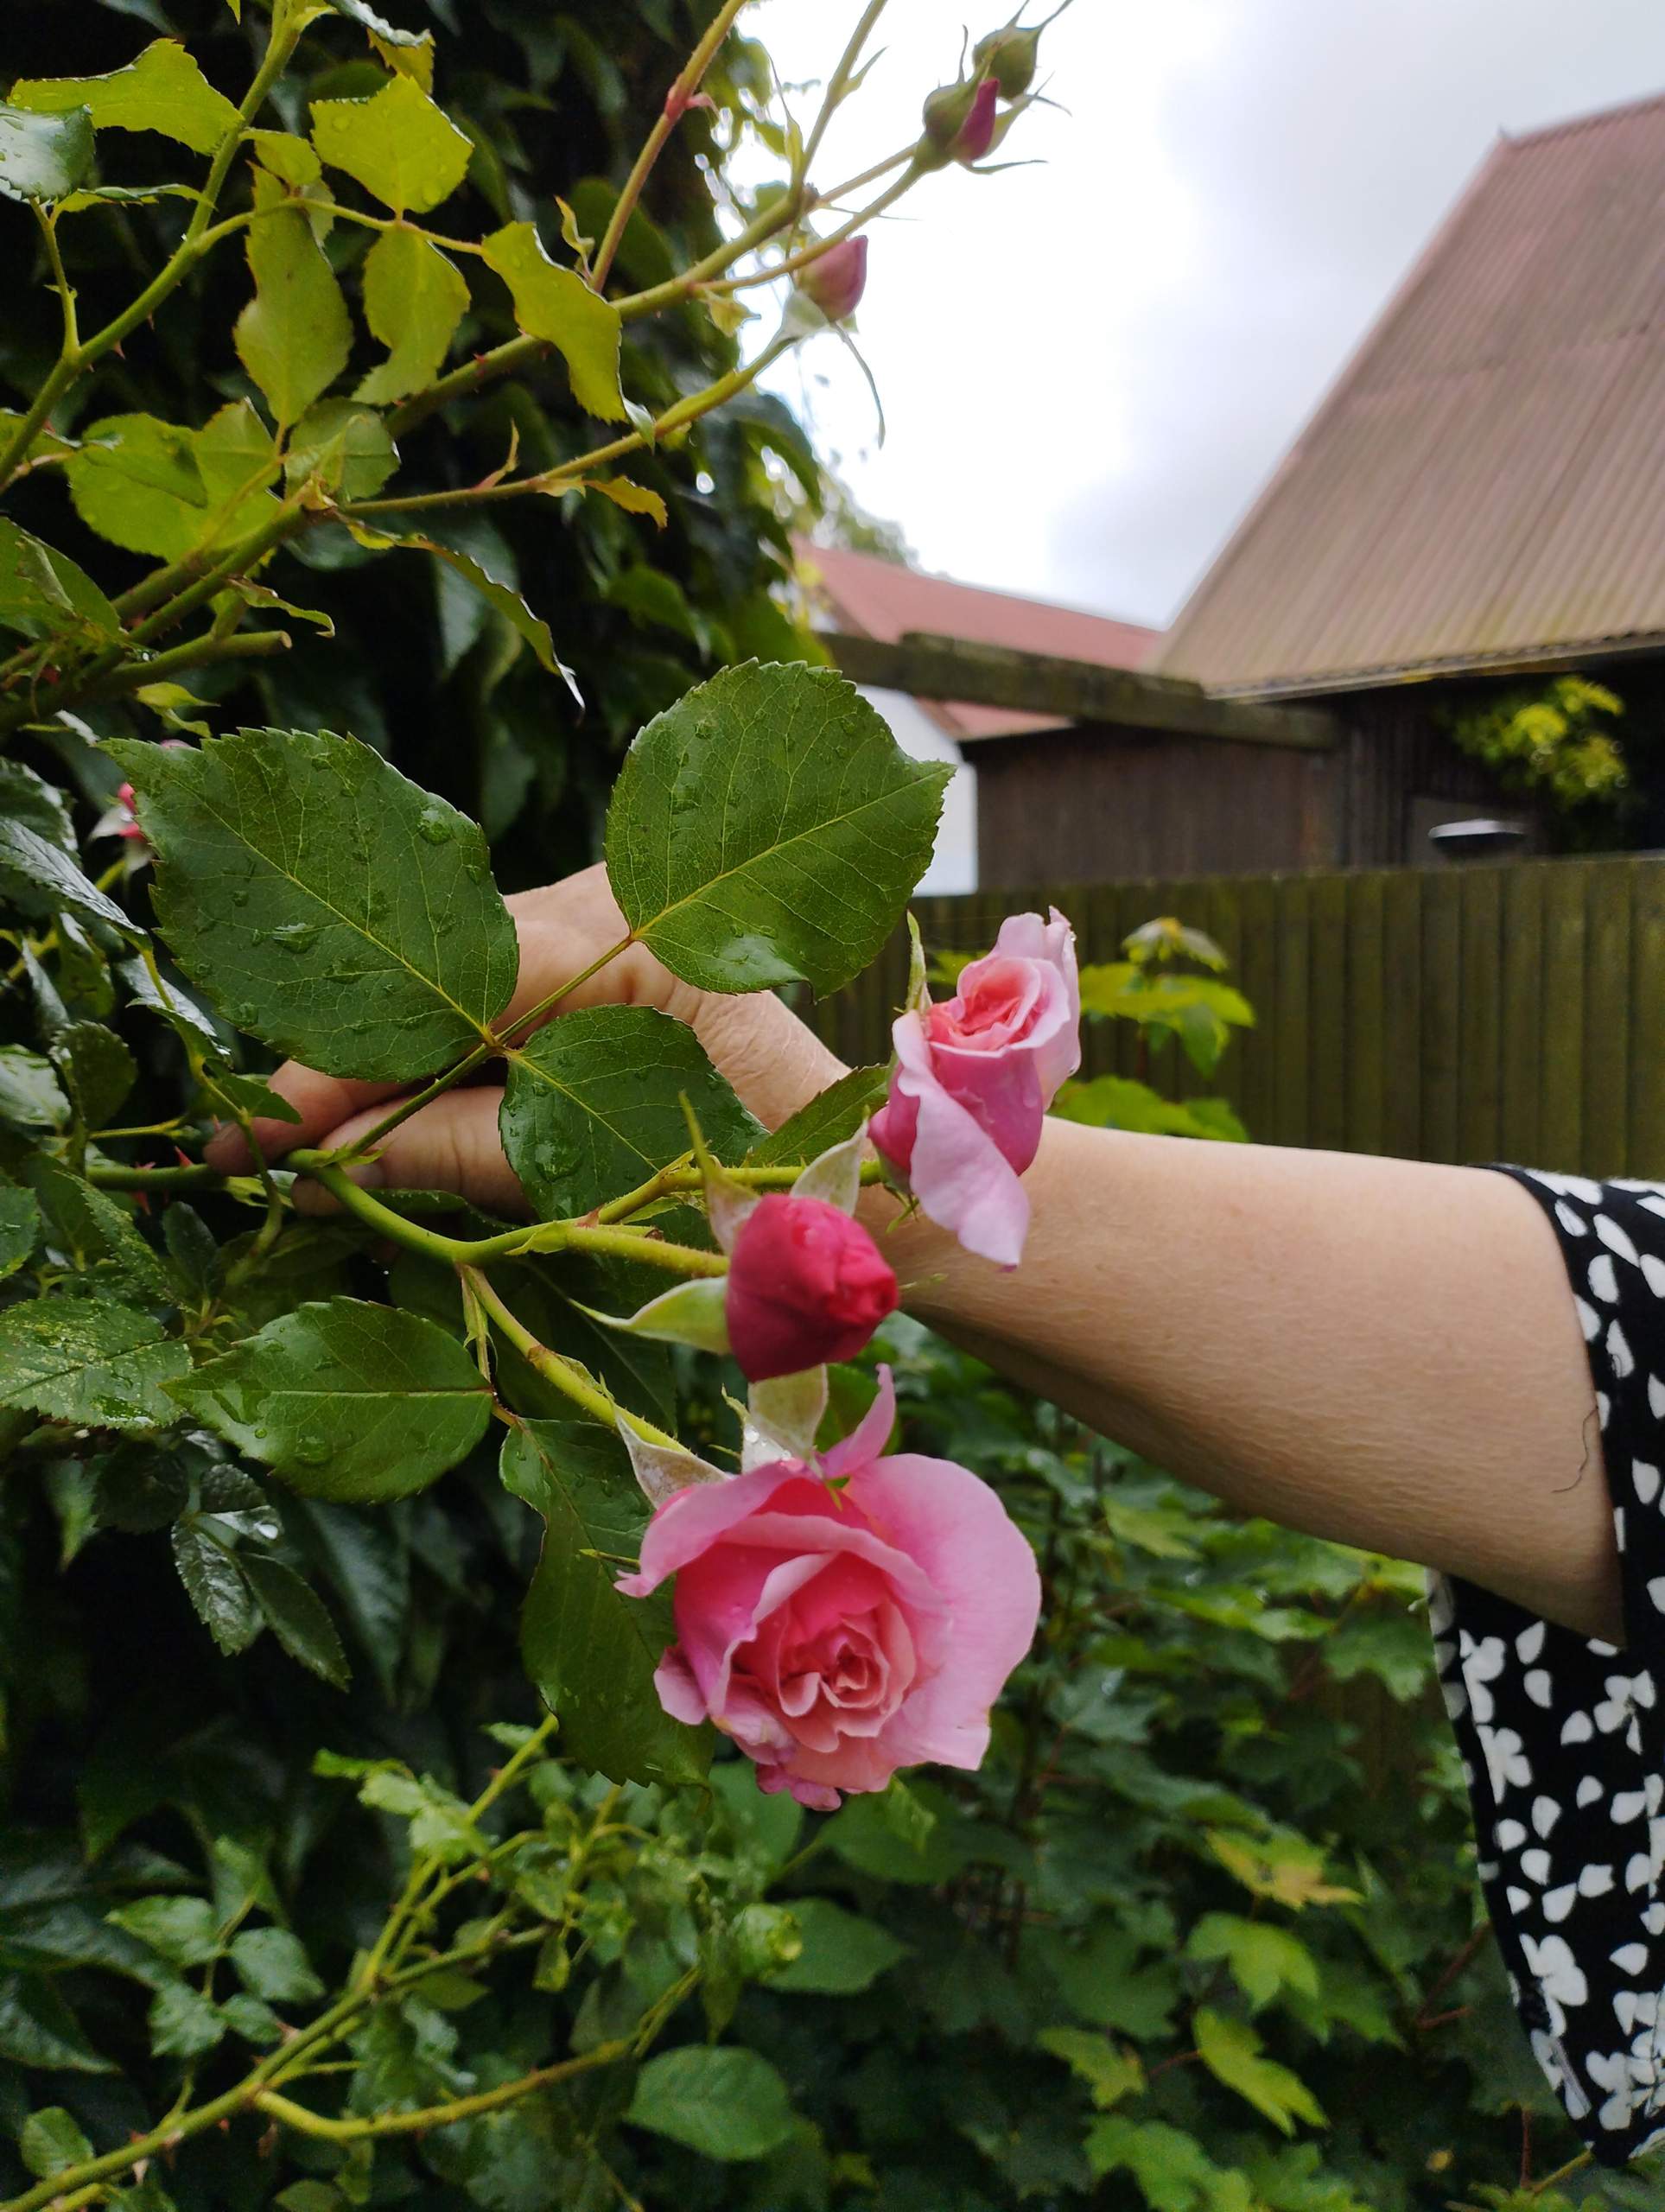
[
  {"x": 838, "y": 1633},
  {"x": 972, "y": 1080}
]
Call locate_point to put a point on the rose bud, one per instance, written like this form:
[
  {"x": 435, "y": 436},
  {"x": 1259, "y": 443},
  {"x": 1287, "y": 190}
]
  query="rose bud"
[
  {"x": 972, "y": 1080},
  {"x": 129, "y": 826},
  {"x": 977, "y": 131},
  {"x": 842, "y": 1618},
  {"x": 836, "y": 281},
  {"x": 806, "y": 1284},
  {"x": 1009, "y": 57}
]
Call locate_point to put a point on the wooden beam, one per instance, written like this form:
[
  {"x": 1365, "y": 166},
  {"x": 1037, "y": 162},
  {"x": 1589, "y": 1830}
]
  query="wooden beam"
[{"x": 950, "y": 669}]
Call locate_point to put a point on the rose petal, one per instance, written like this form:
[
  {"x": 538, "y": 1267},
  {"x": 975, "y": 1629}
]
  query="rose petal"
[
  {"x": 679, "y": 1694},
  {"x": 982, "y": 1563},
  {"x": 870, "y": 1435},
  {"x": 960, "y": 1179},
  {"x": 696, "y": 1516}
]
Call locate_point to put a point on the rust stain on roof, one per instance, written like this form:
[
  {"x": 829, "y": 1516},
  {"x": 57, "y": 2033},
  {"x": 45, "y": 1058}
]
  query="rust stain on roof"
[
  {"x": 881, "y": 599},
  {"x": 1487, "y": 478}
]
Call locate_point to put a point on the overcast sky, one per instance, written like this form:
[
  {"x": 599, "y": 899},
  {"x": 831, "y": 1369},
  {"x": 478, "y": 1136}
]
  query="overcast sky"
[{"x": 1089, "y": 367}]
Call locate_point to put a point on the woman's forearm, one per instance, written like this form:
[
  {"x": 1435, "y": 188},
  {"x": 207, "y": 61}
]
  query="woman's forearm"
[{"x": 1379, "y": 1351}]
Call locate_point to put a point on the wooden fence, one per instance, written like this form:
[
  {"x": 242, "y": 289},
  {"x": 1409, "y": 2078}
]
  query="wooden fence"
[{"x": 1469, "y": 1013}]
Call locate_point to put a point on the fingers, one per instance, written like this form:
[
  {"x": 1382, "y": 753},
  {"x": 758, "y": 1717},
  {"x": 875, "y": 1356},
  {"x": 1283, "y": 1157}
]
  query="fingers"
[
  {"x": 562, "y": 928},
  {"x": 449, "y": 1145},
  {"x": 320, "y": 1101}
]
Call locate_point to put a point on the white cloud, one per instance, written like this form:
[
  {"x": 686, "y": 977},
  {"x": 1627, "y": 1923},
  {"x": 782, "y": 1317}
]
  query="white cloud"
[{"x": 1089, "y": 366}]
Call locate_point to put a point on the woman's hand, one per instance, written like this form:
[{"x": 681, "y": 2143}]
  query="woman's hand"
[{"x": 771, "y": 1060}]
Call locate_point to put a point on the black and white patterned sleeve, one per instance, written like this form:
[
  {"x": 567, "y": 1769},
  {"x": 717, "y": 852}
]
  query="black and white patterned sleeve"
[{"x": 1563, "y": 1737}]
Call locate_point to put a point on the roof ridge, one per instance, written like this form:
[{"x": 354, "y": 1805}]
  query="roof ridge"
[{"x": 1590, "y": 119}]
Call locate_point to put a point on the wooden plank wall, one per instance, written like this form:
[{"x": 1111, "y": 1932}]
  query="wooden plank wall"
[{"x": 1469, "y": 1013}]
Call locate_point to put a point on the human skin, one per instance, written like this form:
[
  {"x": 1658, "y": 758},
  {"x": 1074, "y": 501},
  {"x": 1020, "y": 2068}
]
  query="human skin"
[{"x": 1380, "y": 1352}]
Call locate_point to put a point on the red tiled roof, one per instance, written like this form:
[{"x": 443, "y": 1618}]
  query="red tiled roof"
[
  {"x": 875, "y": 598},
  {"x": 1487, "y": 479}
]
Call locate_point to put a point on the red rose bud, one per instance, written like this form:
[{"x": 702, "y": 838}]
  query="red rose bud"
[
  {"x": 129, "y": 828},
  {"x": 806, "y": 1284},
  {"x": 836, "y": 282},
  {"x": 977, "y": 131}
]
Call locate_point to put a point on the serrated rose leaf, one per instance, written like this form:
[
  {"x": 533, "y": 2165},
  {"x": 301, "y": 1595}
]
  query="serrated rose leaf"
[
  {"x": 768, "y": 829},
  {"x": 44, "y": 594},
  {"x": 414, "y": 298},
  {"x": 214, "y": 1583},
  {"x": 88, "y": 1360},
  {"x": 557, "y": 305},
  {"x": 346, "y": 1401},
  {"x": 594, "y": 1106},
  {"x": 724, "y": 2103},
  {"x": 162, "y": 90},
  {"x": 591, "y": 1653},
  {"x": 293, "y": 336},
  {"x": 344, "y": 447},
  {"x": 151, "y": 486},
  {"x": 42, "y": 878},
  {"x": 403, "y": 149},
  {"x": 300, "y": 1620},
  {"x": 332, "y": 909},
  {"x": 19, "y": 1225},
  {"x": 43, "y": 156}
]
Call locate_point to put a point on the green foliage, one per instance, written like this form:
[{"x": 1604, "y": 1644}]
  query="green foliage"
[{"x": 1561, "y": 741}]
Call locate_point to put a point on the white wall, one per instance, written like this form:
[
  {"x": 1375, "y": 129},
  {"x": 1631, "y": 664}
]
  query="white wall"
[{"x": 954, "y": 865}]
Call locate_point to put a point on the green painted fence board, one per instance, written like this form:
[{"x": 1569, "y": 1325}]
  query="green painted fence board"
[
  {"x": 1522, "y": 1041},
  {"x": 1606, "y": 1017}
]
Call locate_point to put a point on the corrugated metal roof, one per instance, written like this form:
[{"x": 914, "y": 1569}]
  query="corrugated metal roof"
[
  {"x": 882, "y": 599},
  {"x": 1486, "y": 481}
]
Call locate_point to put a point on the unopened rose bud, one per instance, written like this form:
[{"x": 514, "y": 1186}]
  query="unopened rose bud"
[
  {"x": 836, "y": 281},
  {"x": 130, "y": 827},
  {"x": 806, "y": 1284},
  {"x": 945, "y": 113},
  {"x": 1009, "y": 57},
  {"x": 977, "y": 132}
]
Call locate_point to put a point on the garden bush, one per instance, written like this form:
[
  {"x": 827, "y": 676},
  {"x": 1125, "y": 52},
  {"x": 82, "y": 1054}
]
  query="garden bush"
[{"x": 333, "y": 1876}]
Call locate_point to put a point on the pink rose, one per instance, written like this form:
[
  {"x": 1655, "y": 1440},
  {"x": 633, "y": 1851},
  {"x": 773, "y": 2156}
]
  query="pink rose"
[
  {"x": 974, "y": 1078},
  {"x": 836, "y": 281},
  {"x": 838, "y": 1633},
  {"x": 806, "y": 1284}
]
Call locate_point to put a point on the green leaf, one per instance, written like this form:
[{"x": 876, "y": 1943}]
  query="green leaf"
[
  {"x": 214, "y": 1583},
  {"x": 182, "y": 1931},
  {"x": 1263, "y": 1959},
  {"x": 768, "y": 829},
  {"x": 414, "y": 298},
  {"x": 1173, "y": 2172},
  {"x": 235, "y": 452},
  {"x": 405, "y": 151},
  {"x": 97, "y": 1069},
  {"x": 493, "y": 589},
  {"x": 293, "y": 336},
  {"x": 842, "y": 1954},
  {"x": 287, "y": 156},
  {"x": 341, "y": 914},
  {"x": 183, "y": 2022},
  {"x": 298, "y": 1617},
  {"x": 591, "y": 1653},
  {"x": 557, "y": 305},
  {"x": 138, "y": 481},
  {"x": 1232, "y": 2051},
  {"x": 20, "y": 1227},
  {"x": 724, "y": 2104},
  {"x": 343, "y": 447},
  {"x": 141, "y": 1489},
  {"x": 273, "y": 1964},
  {"x": 1100, "y": 1982},
  {"x": 43, "y": 594},
  {"x": 42, "y": 878},
  {"x": 162, "y": 996},
  {"x": 26, "y": 798},
  {"x": 1110, "y": 2074},
  {"x": 37, "y": 2028},
  {"x": 93, "y": 1232},
  {"x": 29, "y": 1094},
  {"x": 253, "y": 2018},
  {"x": 90, "y": 1361},
  {"x": 43, "y": 157},
  {"x": 50, "y": 2141},
  {"x": 346, "y": 1401},
  {"x": 253, "y": 1095},
  {"x": 162, "y": 90},
  {"x": 830, "y": 1117},
  {"x": 594, "y": 1106}
]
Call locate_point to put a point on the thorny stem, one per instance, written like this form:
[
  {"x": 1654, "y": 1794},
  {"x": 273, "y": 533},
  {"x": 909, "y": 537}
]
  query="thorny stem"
[
  {"x": 839, "y": 81},
  {"x": 677, "y": 103},
  {"x": 551, "y": 1365}
]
